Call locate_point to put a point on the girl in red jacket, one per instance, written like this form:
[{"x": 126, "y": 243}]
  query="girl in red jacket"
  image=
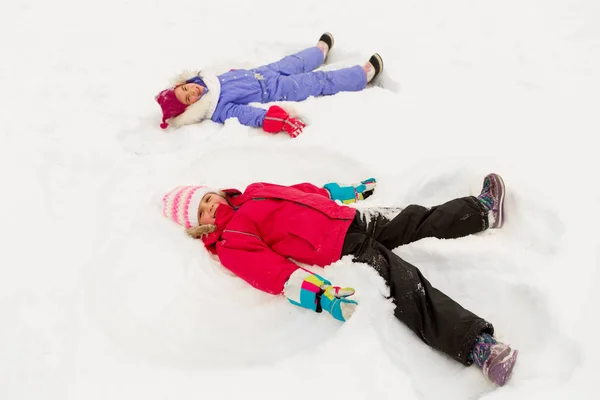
[{"x": 257, "y": 232}]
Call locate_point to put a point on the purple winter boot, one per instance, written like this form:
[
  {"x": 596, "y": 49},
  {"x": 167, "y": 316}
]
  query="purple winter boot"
[
  {"x": 492, "y": 198},
  {"x": 499, "y": 365}
]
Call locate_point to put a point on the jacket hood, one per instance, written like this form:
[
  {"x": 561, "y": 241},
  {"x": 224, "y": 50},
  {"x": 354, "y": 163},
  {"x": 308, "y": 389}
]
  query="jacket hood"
[{"x": 203, "y": 108}]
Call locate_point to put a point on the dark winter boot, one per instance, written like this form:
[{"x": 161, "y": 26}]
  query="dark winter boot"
[
  {"x": 327, "y": 39},
  {"x": 492, "y": 199},
  {"x": 373, "y": 67}
]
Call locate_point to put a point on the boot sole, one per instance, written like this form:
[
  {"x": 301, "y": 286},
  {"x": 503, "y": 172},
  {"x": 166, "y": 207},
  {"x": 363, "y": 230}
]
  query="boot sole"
[
  {"x": 501, "y": 371},
  {"x": 379, "y": 66},
  {"x": 329, "y": 38},
  {"x": 500, "y": 182}
]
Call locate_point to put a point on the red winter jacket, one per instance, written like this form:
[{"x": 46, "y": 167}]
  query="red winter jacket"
[{"x": 268, "y": 224}]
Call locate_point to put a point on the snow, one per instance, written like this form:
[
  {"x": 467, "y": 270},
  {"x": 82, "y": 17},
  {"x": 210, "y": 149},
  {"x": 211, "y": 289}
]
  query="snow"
[{"x": 102, "y": 297}]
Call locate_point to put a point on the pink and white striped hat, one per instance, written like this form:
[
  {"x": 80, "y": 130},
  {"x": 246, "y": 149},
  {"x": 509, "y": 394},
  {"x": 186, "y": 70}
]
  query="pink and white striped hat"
[{"x": 181, "y": 204}]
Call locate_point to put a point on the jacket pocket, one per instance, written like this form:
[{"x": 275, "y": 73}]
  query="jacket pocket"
[{"x": 307, "y": 230}]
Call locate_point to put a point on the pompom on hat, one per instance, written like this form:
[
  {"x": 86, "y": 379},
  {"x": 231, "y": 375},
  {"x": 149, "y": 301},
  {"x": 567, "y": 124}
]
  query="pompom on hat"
[
  {"x": 171, "y": 106},
  {"x": 181, "y": 204}
]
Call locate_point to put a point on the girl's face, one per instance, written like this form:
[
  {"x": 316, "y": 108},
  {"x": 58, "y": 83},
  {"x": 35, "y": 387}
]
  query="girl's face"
[
  {"x": 189, "y": 93},
  {"x": 207, "y": 210}
]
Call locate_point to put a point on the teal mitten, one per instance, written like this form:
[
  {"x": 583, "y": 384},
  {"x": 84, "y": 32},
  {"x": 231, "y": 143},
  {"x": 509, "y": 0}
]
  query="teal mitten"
[
  {"x": 351, "y": 193},
  {"x": 311, "y": 291}
]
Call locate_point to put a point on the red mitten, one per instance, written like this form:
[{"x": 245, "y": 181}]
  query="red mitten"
[
  {"x": 293, "y": 126},
  {"x": 277, "y": 120}
]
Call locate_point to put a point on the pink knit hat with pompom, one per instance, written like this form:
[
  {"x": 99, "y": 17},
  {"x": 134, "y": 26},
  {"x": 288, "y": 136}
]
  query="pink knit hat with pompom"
[
  {"x": 171, "y": 107},
  {"x": 181, "y": 204}
]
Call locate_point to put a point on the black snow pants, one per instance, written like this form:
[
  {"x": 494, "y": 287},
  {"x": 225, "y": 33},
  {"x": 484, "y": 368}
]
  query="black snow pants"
[{"x": 437, "y": 319}]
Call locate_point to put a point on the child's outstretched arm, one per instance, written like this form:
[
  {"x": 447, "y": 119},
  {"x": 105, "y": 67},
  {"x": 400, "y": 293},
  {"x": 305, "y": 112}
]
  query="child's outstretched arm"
[
  {"x": 343, "y": 193},
  {"x": 273, "y": 120},
  {"x": 252, "y": 260},
  {"x": 339, "y": 192},
  {"x": 247, "y": 115}
]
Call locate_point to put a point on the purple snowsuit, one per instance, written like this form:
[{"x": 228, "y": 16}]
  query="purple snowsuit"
[{"x": 289, "y": 79}]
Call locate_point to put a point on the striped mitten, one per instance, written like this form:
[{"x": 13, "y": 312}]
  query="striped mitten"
[
  {"x": 351, "y": 193},
  {"x": 311, "y": 291}
]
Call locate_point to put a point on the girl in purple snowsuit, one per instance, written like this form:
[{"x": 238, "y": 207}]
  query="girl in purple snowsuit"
[{"x": 197, "y": 96}]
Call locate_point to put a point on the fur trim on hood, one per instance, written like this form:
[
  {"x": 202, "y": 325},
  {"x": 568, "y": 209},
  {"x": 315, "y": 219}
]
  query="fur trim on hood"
[
  {"x": 203, "y": 108},
  {"x": 198, "y": 232}
]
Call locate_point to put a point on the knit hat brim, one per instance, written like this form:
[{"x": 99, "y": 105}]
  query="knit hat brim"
[{"x": 181, "y": 204}]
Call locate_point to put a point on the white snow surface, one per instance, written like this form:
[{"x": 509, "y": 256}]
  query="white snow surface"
[{"x": 104, "y": 298}]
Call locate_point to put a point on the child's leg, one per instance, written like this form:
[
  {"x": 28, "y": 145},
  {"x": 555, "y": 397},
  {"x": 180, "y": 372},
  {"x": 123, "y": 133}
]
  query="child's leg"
[
  {"x": 437, "y": 319},
  {"x": 304, "y": 61},
  {"x": 456, "y": 218},
  {"x": 319, "y": 83}
]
